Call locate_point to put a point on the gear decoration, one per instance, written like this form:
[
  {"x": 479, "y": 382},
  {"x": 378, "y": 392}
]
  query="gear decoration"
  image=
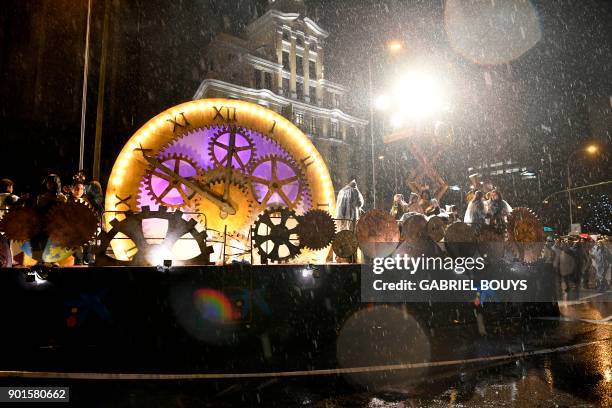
[
  {"x": 525, "y": 234},
  {"x": 460, "y": 239},
  {"x": 21, "y": 223},
  {"x": 229, "y": 247},
  {"x": 276, "y": 230},
  {"x": 166, "y": 191},
  {"x": 377, "y": 233},
  {"x": 524, "y": 226},
  {"x": 181, "y": 148},
  {"x": 232, "y": 147},
  {"x": 316, "y": 229},
  {"x": 237, "y": 246},
  {"x": 150, "y": 254},
  {"x": 345, "y": 244},
  {"x": 217, "y": 181},
  {"x": 435, "y": 228},
  {"x": 71, "y": 224},
  {"x": 277, "y": 180},
  {"x": 213, "y": 134},
  {"x": 491, "y": 242},
  {"x": 414, "y": 228}
]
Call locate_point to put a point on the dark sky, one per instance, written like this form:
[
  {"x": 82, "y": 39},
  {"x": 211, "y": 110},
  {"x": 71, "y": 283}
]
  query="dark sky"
[{"x": 155, "y": 61}]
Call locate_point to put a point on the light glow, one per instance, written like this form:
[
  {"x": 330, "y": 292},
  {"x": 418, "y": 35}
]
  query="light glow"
[
  {"x": 418, "y": 95},
  {"x": 394, "y": 46},
  {"x": 397, "y": 121},
  {"x": 382, "y": 102},
  {"x": 158, "y": 254},
  {"x": 592, "y": 149}
]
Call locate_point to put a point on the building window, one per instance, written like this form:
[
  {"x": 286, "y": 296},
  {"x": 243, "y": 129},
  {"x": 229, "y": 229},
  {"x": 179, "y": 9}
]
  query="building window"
[
  {"x": 312, "y": 70},
  {"x": 313, "y": 94},
  {"x": 268, "y": 80},
  {"x": 299, "y": 90},
  {"x": 257, "y": 79},
  {"x": 299, "y": 41},
  {"x": 285, "y": 89},
  {"x": 331, "y": 100},
  {"x": 334, "y": 131},
  {"x": 298, "y": 120},
  {"x": 299, "y": 66},
  {"x": 285, "y": 60},
  {"x": 313, "y": 126},
  {"x": 285, "y": 35}
]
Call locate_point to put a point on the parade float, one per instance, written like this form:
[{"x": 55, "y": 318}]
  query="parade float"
[{"x": 218, "y": 251}]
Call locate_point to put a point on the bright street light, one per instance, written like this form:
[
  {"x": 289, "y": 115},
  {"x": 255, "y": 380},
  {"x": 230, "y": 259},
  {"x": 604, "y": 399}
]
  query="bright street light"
[
  {"x": 397, "y": 121},
  {"x": 394, "y": 46},
  {"x": 418, "y": 95},
  {"x": 592, "y": 149},
  {"x": 382, "y": 102}
]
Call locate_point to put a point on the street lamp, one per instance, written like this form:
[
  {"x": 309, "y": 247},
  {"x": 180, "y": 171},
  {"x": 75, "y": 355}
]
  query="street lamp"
[
  {"x": 393, "y": 47},
  {"x": 590, "y": 149}
]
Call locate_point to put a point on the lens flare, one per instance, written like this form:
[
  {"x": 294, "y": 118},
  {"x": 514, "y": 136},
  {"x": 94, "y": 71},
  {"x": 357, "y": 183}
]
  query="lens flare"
[{"x": 214, "y": 306}]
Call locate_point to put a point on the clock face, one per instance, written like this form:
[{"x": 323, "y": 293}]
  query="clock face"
[{"x": 221, "y": 162}]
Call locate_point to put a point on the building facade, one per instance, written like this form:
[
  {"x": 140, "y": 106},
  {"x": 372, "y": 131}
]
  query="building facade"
[{"x": 279, "y": 63}]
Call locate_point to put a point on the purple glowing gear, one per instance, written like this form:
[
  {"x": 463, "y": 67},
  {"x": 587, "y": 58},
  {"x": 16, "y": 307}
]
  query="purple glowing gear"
[
  {"x": 167, "y": 191},
  {"x": 179, "y": 147},
  {"x": 233, "y": 147},
  {"x": 277, "y": 180},
  {"x": 266, "y": 145}
]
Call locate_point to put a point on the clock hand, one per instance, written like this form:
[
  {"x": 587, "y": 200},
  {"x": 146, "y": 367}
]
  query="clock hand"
[
  {"x": 223, "y": 204},
  {"x": 227, "y": 176},
  {"x": 228, "y": 166}
]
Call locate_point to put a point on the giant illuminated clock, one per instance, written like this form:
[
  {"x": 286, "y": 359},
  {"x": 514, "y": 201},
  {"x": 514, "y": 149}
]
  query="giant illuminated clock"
[{"x": 221, "y": 160}]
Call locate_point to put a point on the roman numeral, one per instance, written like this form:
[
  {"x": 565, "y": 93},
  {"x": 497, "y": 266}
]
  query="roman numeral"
[
  {"x": 323, "y": 205},
  {"x": 272, "y": 128},
  {"x": 307, "y": 161},
  {"x": 180, "y": 121},
  {"x": 225, "y": 113},
  {"x": 123, "y": 201},
  {"x": 142, "y": 150}
]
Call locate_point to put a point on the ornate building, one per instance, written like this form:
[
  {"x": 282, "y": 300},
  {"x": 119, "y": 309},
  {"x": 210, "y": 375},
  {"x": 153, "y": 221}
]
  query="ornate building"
[{"x": 279, "y": 63}]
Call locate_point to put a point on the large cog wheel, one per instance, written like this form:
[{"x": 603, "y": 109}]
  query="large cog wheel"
[
  {"x": 232, "y": 147},
  {"x": 239, "y": 195},
  {"x": 525, "y": 234},
  {"x": 278, "y": 181},
  {"x": 316, "y": 229},
  {"x": 71, "y": 224},
  {"x": 166, "y": 191},
  {"x": 275, "y": 235},
  {"x": 345, "y": 244},
  {"x": 147, "y": 253},
  {"x": 21, "y": 223}
]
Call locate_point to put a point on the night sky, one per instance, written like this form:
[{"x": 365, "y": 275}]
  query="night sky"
[{"x": 562, "y": 83}]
